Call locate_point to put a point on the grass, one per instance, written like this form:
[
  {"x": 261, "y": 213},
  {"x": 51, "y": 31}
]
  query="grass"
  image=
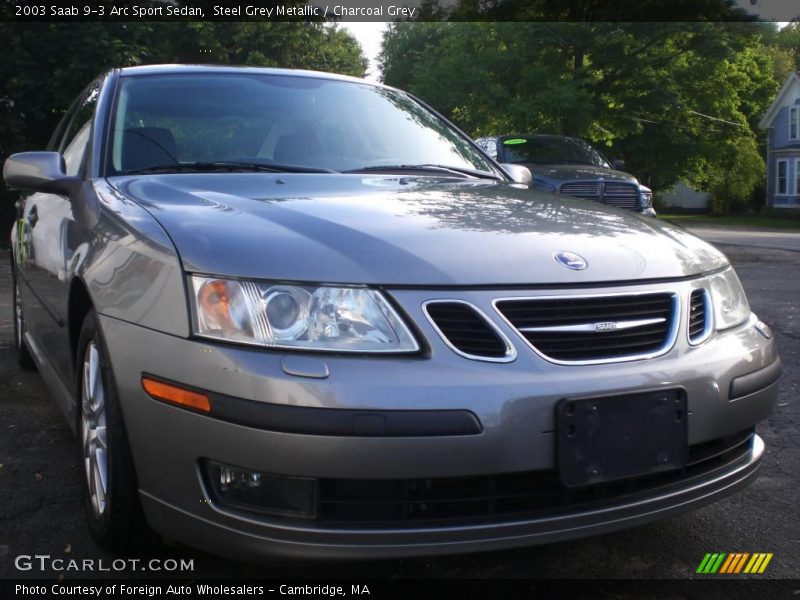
[{"x": 744, "y": 221}]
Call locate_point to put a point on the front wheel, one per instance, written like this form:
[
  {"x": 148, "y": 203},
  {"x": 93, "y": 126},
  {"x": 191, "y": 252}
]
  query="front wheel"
[{"x": 111, "y": 491}]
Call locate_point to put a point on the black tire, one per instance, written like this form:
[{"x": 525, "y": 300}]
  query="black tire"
[
  {"x": 119, "y": 525},
  {"x": 24, "y": 357}
]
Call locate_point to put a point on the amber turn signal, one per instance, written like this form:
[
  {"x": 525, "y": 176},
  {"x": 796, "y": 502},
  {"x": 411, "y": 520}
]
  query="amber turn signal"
[{"x": 176, "y": 395}]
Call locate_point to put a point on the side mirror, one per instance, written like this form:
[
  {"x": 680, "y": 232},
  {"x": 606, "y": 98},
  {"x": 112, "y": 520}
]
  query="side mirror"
[
  {"x": 618, "y": 165},
  {"x": 518, "y": 173},
  {"x": 39, "y": 172}
]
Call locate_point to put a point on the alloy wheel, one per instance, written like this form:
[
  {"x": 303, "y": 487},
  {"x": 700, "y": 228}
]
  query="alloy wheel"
[
  {"x": 93, "y": 428},
  {"x": 18, "y": 315}
]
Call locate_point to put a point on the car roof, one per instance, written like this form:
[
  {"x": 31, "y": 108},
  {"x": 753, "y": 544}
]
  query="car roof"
[{"x": 168, "y": 69}]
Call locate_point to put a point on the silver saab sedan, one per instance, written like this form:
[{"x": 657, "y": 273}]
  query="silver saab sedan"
[{"x": 296, "y": 313}]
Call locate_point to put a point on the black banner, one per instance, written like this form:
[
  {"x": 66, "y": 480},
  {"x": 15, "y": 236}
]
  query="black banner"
[
  {"x": 399, "y": 10},
  {"x": 467, "y": 589}
]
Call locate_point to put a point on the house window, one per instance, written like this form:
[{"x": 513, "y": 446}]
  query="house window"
[
  {"x": 797, "y": 176},
  {"x": 783, "y": 178},
  {"x": 794, "y": 132}
]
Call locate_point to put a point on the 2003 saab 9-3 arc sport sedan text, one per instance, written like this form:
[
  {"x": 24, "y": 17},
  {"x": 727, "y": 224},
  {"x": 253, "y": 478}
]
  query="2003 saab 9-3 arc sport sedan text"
[{"x": 297, "y": 313}]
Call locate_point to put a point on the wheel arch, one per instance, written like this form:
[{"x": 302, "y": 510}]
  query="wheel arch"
[{"x": 79, "y": 303}]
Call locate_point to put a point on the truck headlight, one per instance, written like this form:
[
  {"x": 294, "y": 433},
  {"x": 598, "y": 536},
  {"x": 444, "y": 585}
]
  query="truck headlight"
[
  {"x": 645, "y": 197},
  {"x": 728, "y": 299},
  {"x": 336, "y": 319}
]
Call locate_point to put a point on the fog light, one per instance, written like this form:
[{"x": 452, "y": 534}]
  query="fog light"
[{"x": 262, "y": 492}]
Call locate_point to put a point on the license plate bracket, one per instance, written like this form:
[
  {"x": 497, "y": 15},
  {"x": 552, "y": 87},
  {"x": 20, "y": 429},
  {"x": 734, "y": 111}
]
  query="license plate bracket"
[{"x": 612, "y": 438}]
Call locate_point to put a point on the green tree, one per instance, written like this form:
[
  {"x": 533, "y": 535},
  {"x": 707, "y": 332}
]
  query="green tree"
[
  {"x": 788, "y": 40},
  {"x": 45, "y": 66},
  {"x": 666, "y": 97}
]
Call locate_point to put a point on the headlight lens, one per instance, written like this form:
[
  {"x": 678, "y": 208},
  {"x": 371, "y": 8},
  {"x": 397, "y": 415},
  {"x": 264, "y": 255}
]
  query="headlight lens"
[
  {"x": 645, "y": 198},
  {"x": 729, "y": 300},
  {"x": 337, "y": 319}
]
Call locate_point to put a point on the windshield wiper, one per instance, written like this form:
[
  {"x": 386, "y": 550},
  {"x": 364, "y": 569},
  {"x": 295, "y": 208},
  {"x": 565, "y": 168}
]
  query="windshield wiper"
[
  {"x": 210, "y": 167},
  {"x": 428, "y": 167}
]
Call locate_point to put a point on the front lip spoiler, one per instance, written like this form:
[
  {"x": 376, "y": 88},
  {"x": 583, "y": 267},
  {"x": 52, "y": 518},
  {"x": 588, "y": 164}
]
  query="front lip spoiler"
[{"x": 246, "y": 538}]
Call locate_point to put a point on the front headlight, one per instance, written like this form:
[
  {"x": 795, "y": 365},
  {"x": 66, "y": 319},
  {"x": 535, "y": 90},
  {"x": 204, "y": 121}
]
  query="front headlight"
[
  {"x": 729, "y": 300},
  {"x": 337, "y": 319},
  {"x": 645, "y": 197}
]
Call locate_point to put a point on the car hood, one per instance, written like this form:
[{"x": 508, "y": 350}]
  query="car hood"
[
  {"x": 394, "y": 230},
  {"x": 576, "y": 172}
]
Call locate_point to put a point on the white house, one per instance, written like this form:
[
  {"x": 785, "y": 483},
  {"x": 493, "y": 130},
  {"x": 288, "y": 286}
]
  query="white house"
[{"x": 782, "y": 123}]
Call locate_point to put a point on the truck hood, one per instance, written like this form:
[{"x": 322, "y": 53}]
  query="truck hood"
[
  {"x": 578, "y": 172},
  {"x": 417, "y": 231}
]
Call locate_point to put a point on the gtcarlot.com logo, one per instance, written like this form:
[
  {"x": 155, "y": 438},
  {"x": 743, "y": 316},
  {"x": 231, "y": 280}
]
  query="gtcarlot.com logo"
[
  {"x": 732, "y": 563},
  {"x": 44, "y": 562}
]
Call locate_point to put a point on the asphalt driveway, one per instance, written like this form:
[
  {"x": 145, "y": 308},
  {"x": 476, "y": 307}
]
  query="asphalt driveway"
[
  {"x": 773, "y": 240},
  {"x": 41, "y": 513}
]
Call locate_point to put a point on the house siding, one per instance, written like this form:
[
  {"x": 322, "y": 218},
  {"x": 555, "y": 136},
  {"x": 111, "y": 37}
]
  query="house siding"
[
  {"x": 781, "y": 127},
  {"x": 781, "y": 147}
]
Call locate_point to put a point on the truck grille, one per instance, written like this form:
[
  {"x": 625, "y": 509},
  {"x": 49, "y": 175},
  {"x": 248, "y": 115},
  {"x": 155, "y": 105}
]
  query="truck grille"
[
  {"x": 613, "y": 193},
  {"x": 580, "y": 329},
  {"x": 621, "y": 195},
  {"x": 582, "y": 189}
]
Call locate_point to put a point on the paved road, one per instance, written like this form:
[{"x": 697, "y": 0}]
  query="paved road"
[
  {"x": 40, "y": 511},
  {"x": 778, "y": 240}
]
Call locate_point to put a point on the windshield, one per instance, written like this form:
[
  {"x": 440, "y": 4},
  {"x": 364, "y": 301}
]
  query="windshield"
[
  {"x": 549, "y": 150},
  {"x": 322, "y": 124}
]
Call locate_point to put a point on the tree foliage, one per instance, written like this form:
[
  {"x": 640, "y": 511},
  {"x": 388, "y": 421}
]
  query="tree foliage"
[
  {"x": 674, "y": 100},
  {"x": 45, "y": 66}
]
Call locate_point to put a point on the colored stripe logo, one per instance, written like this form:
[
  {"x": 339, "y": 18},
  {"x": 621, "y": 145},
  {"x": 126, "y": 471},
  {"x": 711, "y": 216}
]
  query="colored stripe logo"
[{"x": 734, "y": 563}]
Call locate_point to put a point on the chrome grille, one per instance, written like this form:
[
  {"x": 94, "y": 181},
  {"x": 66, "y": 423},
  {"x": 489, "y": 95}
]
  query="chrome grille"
[
  {"x": 621, "y": 195},
  {"x": 582, "y": 189},
  {"x": 614, "y": 193},
  {"x": 699, "y": 323},
  {"x": 595, "y": 329},
  {"x": 468, "y": 331}
]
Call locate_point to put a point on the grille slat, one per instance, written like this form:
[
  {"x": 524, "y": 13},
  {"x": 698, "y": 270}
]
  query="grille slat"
[
  {"x": 548, "y": 321},
  {"x": 594, "y": 345},
  {"x": 622, "y": 336},
  {"x": 467, "y": 330}
]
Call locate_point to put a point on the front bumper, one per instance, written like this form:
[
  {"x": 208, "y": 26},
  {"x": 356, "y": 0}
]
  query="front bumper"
[
  {"x": 229, "y": 534},
  {"x": 512, "y": 402}
]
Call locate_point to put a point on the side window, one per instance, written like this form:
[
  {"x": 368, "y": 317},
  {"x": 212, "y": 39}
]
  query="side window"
[{"x": 75, "y": 139}]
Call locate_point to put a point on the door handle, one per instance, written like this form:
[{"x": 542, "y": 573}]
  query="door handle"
[{"x": 33, "y": 216}]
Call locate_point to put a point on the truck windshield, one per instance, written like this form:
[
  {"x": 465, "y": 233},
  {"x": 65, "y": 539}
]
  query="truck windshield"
[{"x": 549, "y": 150}]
